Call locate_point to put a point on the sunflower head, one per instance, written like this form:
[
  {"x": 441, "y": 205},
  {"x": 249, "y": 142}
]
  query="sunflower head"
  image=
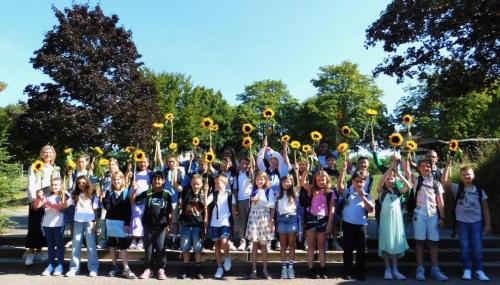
[
  {"x": 453, "y": 146},
  {"x": 209, "y": 157},
  {"x": 214, "y": 128},
  {"x": 172, "y": 146},
  {"x": 158, "y": 126},
  {"x": 169, "y": 117},
  {"x": 247, "y": 128},
  {"x": 130, "y": 149},
  {"x": 103, "y": 162},
  {"x": 98, "y": 150},
  {"x": 268, "y": 113},
  {"x": 37, "y": 166},
  {"x": 342, "y": 147},
  {"x": 411, "y": 145},
  {"x": 196, "y": 141},
  {"x": 247, "y": 142},
  {"x": 306, "y": 148},
  {"x": 285, "y": 138},
  {"x": 68, "y": 150},
  {"x": 295, "y": 144},
  {"x": 407, "y": 120},
  {"x": 139, "y": 155},
  {"x": 316, "y": 136},
  {"x": 71, "y": 164},
  {"x": 372, "y": 112},
  {"x": 339, "y": 115},
  {"x": 207, "y": 123},
  {"x": 345, "y": 131},
  {"x": 396, "y": 139}
]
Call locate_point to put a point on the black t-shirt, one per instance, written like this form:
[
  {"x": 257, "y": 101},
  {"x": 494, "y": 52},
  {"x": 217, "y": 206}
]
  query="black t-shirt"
[
  {"x": 192, "y": 208},
  {"x": 157, "y": 207},
  {"x": 334, "y": 173}
]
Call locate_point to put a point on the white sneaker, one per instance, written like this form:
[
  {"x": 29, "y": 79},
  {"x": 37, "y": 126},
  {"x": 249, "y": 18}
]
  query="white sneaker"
[
  {"x": 69, "y": 244},
  {"x": 242, "y": 246},
  {"x": 93, "y": 274},
  {"x": 140, "y": 244},
  {"x": 480, "y": 275},
  {"x": 29, "y": 259},
  {"x": 397, "y": 275},
  {"x": 231, "y": 246},
  {"x": 388, "y": 274},
  {"x": 48, "y": 270},
  {"x": 268, "y": 246},
  {"x": 467, "y": 274},
  {"x": 291, "y": 272},
  {"x": 284, "y": 272},
  {"x": 133, "y": 245},
  {"x": 219, "y": 273},
  {"x": 58, "y": 271},
  {"x": 70, "y": 273},
  {"x": 227, "y": 263}
]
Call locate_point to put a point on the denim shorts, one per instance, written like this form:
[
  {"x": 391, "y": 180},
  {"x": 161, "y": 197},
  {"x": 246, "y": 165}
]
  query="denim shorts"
[
  {"x": 190, "y": 238},
  {"x": 315, "y": 223},
  {"x": 218, "y": 233},
  {"x": 288, "y": 224},
  {"x": 425, "y": 227}
]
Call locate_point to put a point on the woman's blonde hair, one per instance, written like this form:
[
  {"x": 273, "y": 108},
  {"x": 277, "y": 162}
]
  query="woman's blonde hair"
[{"x": 45, "y": 148}]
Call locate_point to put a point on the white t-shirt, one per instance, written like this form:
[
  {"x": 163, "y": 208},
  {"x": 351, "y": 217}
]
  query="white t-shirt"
[
  {"x": 84, "y": 208},
  {"x": 263, "y": 201},
  {"x": 223, "y": 207},
  {"x": 244, "y": 186},
  {"x": 285, "y": 207},
  {"x": 52, "y": 217},
  {"x": 143, "y": 181}
]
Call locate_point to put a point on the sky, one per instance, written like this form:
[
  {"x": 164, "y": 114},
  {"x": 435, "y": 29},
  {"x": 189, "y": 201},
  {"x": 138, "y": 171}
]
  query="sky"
[{"x": 222, "y": 44}]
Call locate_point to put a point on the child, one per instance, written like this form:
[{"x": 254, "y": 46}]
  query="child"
[
  {"x": 53, "y": 228},
  {"x": 193, "y": 220},
  {"x": 392, "y": 238},
  {"x": 288, "y": 225},
  {"x": 331, "y": 162},
  {"x": 157, "y": 212},
  {"x": 143, "y": 183},
  {"x": 118, "y": 214},
  {"x": 472, "y": 217},
  {"x": 357, "y": 205},
  {"x": 106, "y": 187},
  {"x": 318, "y": 199},
  {"x": 260, "y": 227},
  {"x": 219, "y": 208},
  {"x": 242, "y": 194},
  {"x": 86, "y": 220}
]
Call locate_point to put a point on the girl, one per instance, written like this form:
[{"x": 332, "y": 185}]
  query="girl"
[
  {"x": 392, "y": 238},
  {"x": 318, "y": 199},
  {"x": 106, "y": 187},
  {"x": 288, "y": 224},
  {"x": 260, "y": 227},
  {"x": 118, "y": 214},
  {"x": 39, "y": 186},
  {"x": 85, "y": 224},
  {"x": 53, "y": 228},
  {"x": 143, "y": 183}
]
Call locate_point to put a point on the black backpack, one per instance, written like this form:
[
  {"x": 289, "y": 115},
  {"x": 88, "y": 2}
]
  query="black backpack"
[
  {"x": 305, "y": 200},
  {"x": 460, "y": 196},
  {"x": 411, "y": 201},
  {"x": 380, "y": 201}
]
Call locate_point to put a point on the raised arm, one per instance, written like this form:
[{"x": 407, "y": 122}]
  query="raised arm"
[
  {"x": 445, "y": 178},
  {"x": 406, "y": 183},
  {"x": 260, "y": 159},
  {"x": 340, "y": 181}
]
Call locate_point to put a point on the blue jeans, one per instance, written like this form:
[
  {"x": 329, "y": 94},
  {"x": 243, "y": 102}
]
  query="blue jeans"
[
  {"x": 80, "y": 230},
  {"x": 55, "y": 245},
  {"x": 471, "y": 238}
]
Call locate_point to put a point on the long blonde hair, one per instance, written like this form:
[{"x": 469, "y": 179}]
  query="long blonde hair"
[{"x": 46, "y": 147}]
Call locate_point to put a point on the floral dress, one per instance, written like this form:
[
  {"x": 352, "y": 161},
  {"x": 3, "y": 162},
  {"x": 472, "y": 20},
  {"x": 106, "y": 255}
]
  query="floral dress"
[{"x": 258, "y": 220}]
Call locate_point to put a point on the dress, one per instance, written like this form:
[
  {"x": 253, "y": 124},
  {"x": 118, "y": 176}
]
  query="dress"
[
  {"x": 143, "y": 183},
  {"x": 392, "y": 236},
  {"x": 258, "y": 220}
]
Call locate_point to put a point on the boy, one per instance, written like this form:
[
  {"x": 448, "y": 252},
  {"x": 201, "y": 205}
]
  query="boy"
[
  {"x": 471, "y": 212},
  {"x": 244, "y": 187}
]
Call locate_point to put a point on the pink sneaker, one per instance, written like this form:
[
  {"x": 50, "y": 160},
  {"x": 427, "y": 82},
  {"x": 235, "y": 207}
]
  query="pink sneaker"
[
  {"x": 146, "y": 274},
  {"x": 161, "y": 274}
]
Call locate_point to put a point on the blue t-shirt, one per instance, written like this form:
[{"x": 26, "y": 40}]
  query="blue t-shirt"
[{"x": 354, "y": 209}]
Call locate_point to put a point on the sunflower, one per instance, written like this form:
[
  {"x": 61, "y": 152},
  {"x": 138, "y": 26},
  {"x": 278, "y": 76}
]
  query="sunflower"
[
  {"x": 209, "y": 157},
  {"x": 68, "y": 150},
  {"x": 345, "y": 131},
  {"x": 169, "y": 117},
  {"x": 407, "y": 120},
  {"x": 196, "y": 141},
  {"x": 453, "y": 146},
  {"x": 295, "y": 144},
  {"x": 285, "y": 138},
  {"x": 172, "y": 146},
  {"x": 247, "y": 142},
  {"x": 71, "y": 164},
  {"x": 316, "y": 136},
  {"x": 215, "y": 128},
  {"x": 338, "y": 116},
  {"x": 37, "y": 166},
  {"x": 103, "y": 162},
  {"x": 396, "y": 139},
  {"x": 130, "y": 149},
  {"x": 139, "y": 155},
  {"x": 306, "y": 148},
  {"x": 411, "y": 145},
  {"x": 247, "y": 129},
  {"x": 158, "y": 126},
  {"x": 342, "y": 147},
  {"x": 98, "y": 150},
  {"x": 372, "y": 112},
  {"x": 268, "y": 113},
  {"x": 207, "y": 123}
]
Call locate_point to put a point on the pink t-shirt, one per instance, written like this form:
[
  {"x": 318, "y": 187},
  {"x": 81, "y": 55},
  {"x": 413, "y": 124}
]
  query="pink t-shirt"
[{"x": 319, "y": 205}]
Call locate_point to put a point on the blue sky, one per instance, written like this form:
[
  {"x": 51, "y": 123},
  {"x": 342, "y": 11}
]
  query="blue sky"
[{"x": 224, "y": 45}]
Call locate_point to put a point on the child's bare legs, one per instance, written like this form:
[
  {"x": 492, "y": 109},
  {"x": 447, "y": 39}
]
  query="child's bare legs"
[
  {"x": 253, "y": 256},
  {"x": 263, "y": 249},
  {"x": 197, "y": 257},
  {"x": 124, "y": 256},
  {"x": 224, "y": 244},
  {"x": 321, "y": 237},
  {"x": 311, "y": 246},
  {"x": 292, "y": 238},
  {"x": 113, "y": 255},
  {"x": 386, "y": 260},
  {"x": 218, "y": 254},
  {"x": 283, "y": 247},
  {"x": 186, "y": 256}
]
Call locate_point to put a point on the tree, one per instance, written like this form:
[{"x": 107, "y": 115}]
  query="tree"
[
  {"x": 454, "y": 42},
  {"x": 98, "y": 95},
  {"x": 8, "y": 170}
]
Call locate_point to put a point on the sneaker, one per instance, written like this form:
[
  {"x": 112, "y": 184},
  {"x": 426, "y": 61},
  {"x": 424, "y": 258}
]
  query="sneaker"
[
  {"x": 346, "y": 277},
  {"x": 117, "y": 270},
  {"x": 227, "y": 263},
  {"x": 69, "y": 244},
  {"x": 243, "y": 245},
  {"x": 480, "y": 275},
  {"x": 183, "y": 275},
  {"x": 29, "y": 259},
  {"x": 284, "y": 272},
  {"x": 268, "y": 246},
  {"x": 39, "y": 256},
  {"x": 266, "y": 275},
  {"x": 420, "y": 274},
  {"x": 140, "y": 244},
  {"x": 133, "y": 245},
  {"x": 397, "y": 275},
  {"x": 127, "y": 273},
  {"x": 437, "y": 274},
  {"x": 70, "y": 273},
  {"x": 93, "y": 274},
  {"x": 322, "y": 273},
  {"x": 253, "y": 275},
  {"x": 102, "y": 244},
  {"x": 249, "y": 247},
  {"x": 231, "y": 246},
  {"x": 219, "y": 273},
  {"x": 388, "y": 274},
  {"x": 48, "y": 270},
  {"x": 146, "y": 274},
  {"x": 198, "y": 274},
  {"x": 467, "y": 274},
  {"x": 161, "y": 274},
  {"x": 291, "y": 272},
  {"x": 278, "y": 246},
  {"x": 58, "y": 271},
  {"x": 311, "y": 273},
  {"x": 336, "y": 246}
]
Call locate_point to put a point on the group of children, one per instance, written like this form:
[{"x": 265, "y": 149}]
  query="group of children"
[{"x": 253, "y": 203}]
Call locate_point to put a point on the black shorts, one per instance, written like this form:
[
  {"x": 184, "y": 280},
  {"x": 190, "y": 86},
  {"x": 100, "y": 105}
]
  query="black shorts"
[
  {"x": 315, "y": 223},
  {"x": 120, "y": 243}
]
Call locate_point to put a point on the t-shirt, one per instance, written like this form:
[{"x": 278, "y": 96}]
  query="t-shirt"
[
  {"x": 223, "y": 209},
  {"x": 192, "y": 210},
  {"x": 52, "y": 217},
  {"x": 469, "y": 207},
  {"x": 354, "y": 211},
  {"x": 426, "y": 202},
  {"x": 143, "y": 181},
  {"x": 285, "y": 207},
  {"x": 319, "y": 205},
  {"x": 157, "y": 207},
  {"x": 263, "y": 200},
  {"x": 244, "y": 186},
  {"x": 84, "y": 208}
]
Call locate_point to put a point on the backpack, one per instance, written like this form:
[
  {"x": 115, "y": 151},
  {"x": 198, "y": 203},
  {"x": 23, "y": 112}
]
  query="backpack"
[
  {"x": 165, "y": 195},
  {"x": 460, "y": 196},
  {"x": 380, "y": 201},
  {"x": 411, "y": 201},
  {"x": 213, "y": 205}
]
